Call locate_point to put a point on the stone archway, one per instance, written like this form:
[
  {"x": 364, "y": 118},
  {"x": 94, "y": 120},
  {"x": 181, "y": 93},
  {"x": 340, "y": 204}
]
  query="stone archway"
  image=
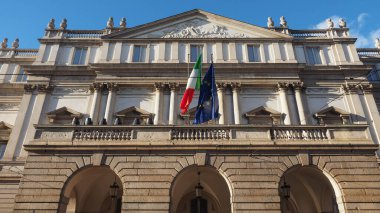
[
  {"x": 88, "y": 191},
  {"x": 310, "y": 191},
  {"x": 216, "y": 195}
]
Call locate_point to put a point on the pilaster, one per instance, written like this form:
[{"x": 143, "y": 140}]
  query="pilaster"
[
  {"x": 354, "y": 103},
  {"x": 298, "y": 93},
  {"x": 96, "y": 98},
  {"x": 112, "y": 89},
  {"x": 173, "y": 103},
  {"x": 235, "y": 97},
  {"x": 221, "y": 87},
  {"x": 232, "y": 52},
  {"x": 158, "y": 103},
  {"x": 174, "y": 52},
  {"x": 283, "y": 88}
]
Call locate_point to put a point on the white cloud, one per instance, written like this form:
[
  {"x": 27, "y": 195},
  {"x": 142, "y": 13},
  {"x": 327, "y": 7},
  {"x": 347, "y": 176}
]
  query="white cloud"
[{"x": 355, "y": 27}]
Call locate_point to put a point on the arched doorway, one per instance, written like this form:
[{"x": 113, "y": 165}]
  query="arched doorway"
[
  {"x": 307, "y": 189},
  {"x": 92, "y": 190},
  {"x": 200, "y": 189}
]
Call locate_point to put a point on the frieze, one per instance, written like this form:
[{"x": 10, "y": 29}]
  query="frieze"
[
  {"x": 71, "y": 90},
  {"x": 9, "y": 106},
  {"x": 200, "y": 29},
  {"x": 317, "y": 91}
]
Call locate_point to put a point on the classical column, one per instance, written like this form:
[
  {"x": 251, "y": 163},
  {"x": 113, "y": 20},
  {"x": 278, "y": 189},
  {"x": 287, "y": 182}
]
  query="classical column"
[
  {"x": 157, "y": 107},
  {"x": 19, "y": 126},
  {"x": 35, "y": 116},
  {"x": 298, "y": 88},
  {"x": 283, "y": 88},
  {"x": 173, "y": 106},
  {"x": 112, "y": 89},
  {"x": 235, "y": 97},
  {"x": 371, "y": 111},
  {"x": 221, "y": 88},
  {"x": 94, "y": 112}
]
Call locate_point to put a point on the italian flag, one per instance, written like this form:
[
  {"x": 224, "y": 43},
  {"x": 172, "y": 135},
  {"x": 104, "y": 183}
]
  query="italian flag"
[{"x": 193, "y": 83}]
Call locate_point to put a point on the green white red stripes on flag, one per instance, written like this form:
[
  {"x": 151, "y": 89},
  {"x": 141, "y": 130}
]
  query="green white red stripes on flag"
[{"x": 193, "y": 83}]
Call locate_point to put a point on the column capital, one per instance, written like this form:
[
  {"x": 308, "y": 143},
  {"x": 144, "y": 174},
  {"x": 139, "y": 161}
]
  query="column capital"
[
  {"x": 221, "y": 86},
  {"x": 29, "y": 88},
  {"x": 43, "y": 88},
  {"x": 299, "y": 85},
  {"x": 173, "y": 86},
  {"x": 283, "y": 86},
  {"x": 236, "y": 86},
  {"x": 159, "y": 86},
  {"x": 96, "y": 86},
  {"x": 350, "y": 88},
  {"x": 366, "y": 88},
  {"x": 112, "y": 86}
]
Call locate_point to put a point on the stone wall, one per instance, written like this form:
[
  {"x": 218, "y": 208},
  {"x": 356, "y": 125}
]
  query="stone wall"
[{"x": 147, "y": 178}]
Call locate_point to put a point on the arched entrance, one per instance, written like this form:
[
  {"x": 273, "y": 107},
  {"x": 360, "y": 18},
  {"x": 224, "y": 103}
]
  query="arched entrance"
[
  {"x": 307, "y": 189},
  {"x": 92, "y": 190},
  {"x": 200, "y": 189}
]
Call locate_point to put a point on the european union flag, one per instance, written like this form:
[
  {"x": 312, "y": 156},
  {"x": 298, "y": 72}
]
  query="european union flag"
[{"x": 208, "y": 106}]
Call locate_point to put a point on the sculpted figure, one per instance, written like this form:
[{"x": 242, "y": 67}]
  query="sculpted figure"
[
  {"x": 110, "y": 23},
  {"x": 51, "y": 24},
  {"x": 63, "y": 24},
  {"x": 377, "y": 43},
  {"x": 283, "y": 22},
  {"x": 270, "y": 22},
  {"x": 4, "y": 44},
  {"x": 15, "y": 43},
  {"x": 330, "y": 23},
  {"x": 342, "y": 23},
  {"x": 123, "y": 23}
]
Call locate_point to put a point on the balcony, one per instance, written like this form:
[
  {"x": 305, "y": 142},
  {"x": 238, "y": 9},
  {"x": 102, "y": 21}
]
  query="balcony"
[{"x": 199, "y": 137}]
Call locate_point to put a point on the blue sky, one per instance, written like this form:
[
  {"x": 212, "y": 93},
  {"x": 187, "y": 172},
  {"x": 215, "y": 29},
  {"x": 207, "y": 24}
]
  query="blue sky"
[{"x": 26, "y": 19}]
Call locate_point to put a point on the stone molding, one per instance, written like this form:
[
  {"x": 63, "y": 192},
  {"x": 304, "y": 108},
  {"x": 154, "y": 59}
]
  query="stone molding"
[{"x": 40, "y": 88}]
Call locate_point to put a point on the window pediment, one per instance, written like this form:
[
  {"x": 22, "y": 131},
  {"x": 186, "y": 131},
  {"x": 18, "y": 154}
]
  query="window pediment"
[
  {"x": 5, "y": 131},
  {"x": 264, "y": 116},
  {"x": 63, "y": 115},
  {"x": 128, "y": 115},
  {"x": 332, "y": 115}
]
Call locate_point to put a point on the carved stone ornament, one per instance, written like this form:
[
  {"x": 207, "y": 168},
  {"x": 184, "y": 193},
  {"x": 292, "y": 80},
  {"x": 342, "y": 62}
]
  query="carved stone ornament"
[
  {"x": 9, "y": 106},
  {"x": 377, "y": 43},
  {"x": 15, "y": 43},
  {"x": 97, "y": 86},
  {"x": 270, "y": 22},
  {"x": 29, "y": 88},
  {"x": 330, "y": 23},
  {"x": 42, "y": 88},
  {"x": 4, "y": 43},
  {"x": 200, "y": 29},
  {"x": 342, "y": 23},
  {"x": 112, "y": 86},
  {"x": 110, "y": 23},
  {"x": 51, "y": 24},
  {"x": 221, "y": 86},
  {"x": 298, "y": 85},
  {"x": 63, "y": 24},
  {"x": 235, "y": 85},
  {"x": 366, "y": 88},
  {"x": 71, "y": 90},
  {"x": 123, "y": 23},
  {"x": 350, "y": 88},
  {"x": 173, "y": 86},
  {"x": 283, "y": 22},
  {"x": 283, "y": 85},
  {"x": 159, "y": 86}
]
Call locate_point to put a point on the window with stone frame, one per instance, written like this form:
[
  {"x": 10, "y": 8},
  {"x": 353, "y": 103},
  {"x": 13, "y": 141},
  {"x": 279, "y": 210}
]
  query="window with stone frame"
[
  {"x": 195, "y": 51},
  {"x": 80, "y": 54},
  {"x": 135, "y": 116},
  {"x": 263, "y": 116},
  {"x": 5, "y": 132},
  {"x": 139, "y": 53},
  {"x": 253, "y": 53},
  {"x": 63, "y": 115},
  {"x": 21, "y": 75},
  {"x": 332, "y": 115},
  {"x": 313, "y": 55}
]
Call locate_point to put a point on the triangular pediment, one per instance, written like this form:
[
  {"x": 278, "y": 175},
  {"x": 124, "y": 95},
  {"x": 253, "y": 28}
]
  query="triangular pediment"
[
  {"x": 5, "y": 126},
  {"x": 332, "y": 111},
  {"x": 196, "y": 24},
  {"x": 64, "y": 112},
  {"x": 132, "y": 111},
  {"x": 262, "y": 110}
]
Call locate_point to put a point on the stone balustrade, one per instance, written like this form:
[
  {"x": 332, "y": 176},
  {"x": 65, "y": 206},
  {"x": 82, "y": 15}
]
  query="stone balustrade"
[
  {"x": 223, "y": 134},
  {"x": 368, "y": 52},
  {"x": 83, "y": 33}
]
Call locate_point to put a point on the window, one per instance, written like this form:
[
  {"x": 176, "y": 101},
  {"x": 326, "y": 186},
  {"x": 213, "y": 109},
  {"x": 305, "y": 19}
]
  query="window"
[
  {"x": 253, "y": 53},
  {"x": 80, "y": 55},
  {"x": 139, "y": 53},
  {"x": 21, "y": 76},
  {"x": 195, "y": 51},
  {"x": 313, "y": 55},
  {"x": 2, "y": 149}
]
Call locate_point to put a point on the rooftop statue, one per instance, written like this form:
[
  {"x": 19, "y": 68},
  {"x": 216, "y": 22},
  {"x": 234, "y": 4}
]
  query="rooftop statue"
[
  {"x": 342, "y": 23},
  {"x": 63, "y": 24},
  {"x": 270, "y": 22},
  {"x": 123, "y": 23},
  {"x": 110, "y": 23},
  {"x": 283, "y": 22},
  {"x": 4, "y": 44},
  {"x": 377, "y": 43},
  {"x": 51, "y": 25},
  {"x": 15, "y": 43},
  {"x": 330, "y": 23}
]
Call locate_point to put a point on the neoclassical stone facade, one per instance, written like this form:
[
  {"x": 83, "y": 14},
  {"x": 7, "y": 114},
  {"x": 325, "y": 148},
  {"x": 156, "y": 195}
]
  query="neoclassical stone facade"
[{"x": 90, "y": 122}]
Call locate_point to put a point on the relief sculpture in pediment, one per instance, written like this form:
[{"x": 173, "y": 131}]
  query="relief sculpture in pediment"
[{"x": 200, "y": 29}]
